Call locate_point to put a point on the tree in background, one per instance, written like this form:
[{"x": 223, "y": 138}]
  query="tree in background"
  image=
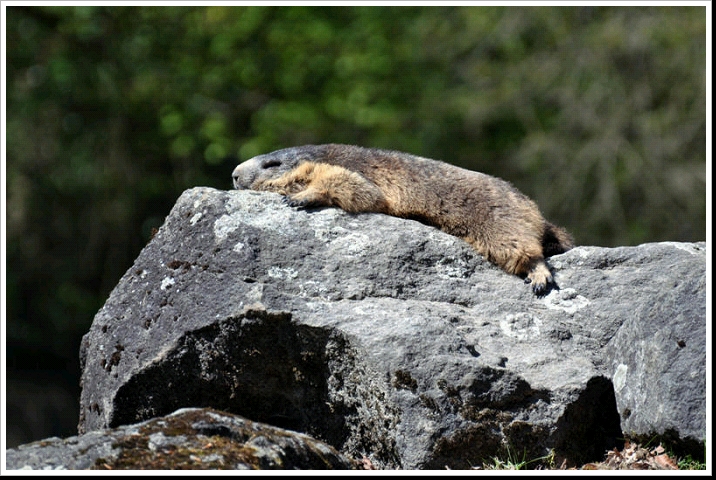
[{"x": 598, "y": 113}]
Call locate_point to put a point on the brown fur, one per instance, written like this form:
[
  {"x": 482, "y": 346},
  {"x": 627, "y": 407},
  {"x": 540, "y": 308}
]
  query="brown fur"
[{"x": 501, "y": 223}]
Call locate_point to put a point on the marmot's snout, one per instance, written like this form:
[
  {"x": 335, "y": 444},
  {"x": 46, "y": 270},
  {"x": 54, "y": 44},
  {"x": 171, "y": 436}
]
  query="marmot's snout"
[
  {"x": 242, "y": 176},
  {"x": 264, "y": 167},
  {"x": 235, "y": 178}
]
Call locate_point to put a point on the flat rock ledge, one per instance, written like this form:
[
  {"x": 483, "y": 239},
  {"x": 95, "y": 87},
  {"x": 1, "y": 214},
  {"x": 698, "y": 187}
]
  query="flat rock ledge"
[
  {"x": 394, "y": 342},
  {"x": 196, "y": 439}
]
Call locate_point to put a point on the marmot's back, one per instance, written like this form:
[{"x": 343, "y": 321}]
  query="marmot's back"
[{"x": 501, "y": 223}]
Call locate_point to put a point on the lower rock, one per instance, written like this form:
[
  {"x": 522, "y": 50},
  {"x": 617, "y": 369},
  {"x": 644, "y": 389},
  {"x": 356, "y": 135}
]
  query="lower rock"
[{"x": 197, "y": 439}]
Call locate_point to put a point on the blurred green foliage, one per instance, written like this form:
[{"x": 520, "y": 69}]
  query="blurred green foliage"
[{"x": 598, "y": 113}]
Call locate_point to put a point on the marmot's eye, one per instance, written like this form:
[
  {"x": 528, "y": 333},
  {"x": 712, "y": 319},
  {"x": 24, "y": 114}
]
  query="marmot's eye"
[{"x": 271, "y": 164}]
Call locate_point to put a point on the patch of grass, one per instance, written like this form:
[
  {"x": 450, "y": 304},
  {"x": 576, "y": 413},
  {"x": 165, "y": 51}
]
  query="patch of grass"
[
  {"x": 688, "y": 463},
  {"x": 514, "y": 463},
  {"x": 632, "y": 457}
]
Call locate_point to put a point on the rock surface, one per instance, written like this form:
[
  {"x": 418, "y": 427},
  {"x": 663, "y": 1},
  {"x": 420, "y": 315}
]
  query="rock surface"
[
  {"x": 197, "y": 439},
  {"x": 392, "y": 340}
]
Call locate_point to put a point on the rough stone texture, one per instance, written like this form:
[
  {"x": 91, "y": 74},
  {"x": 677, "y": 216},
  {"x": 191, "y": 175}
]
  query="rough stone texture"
[
  {"x": 392, "y": 340},
  {"x": 200, "y": 439}
]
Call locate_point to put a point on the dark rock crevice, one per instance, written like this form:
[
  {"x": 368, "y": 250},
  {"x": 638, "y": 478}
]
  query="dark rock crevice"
[
  {"x": 590, "y": 426},
  {"x": 265, "y": 367}
]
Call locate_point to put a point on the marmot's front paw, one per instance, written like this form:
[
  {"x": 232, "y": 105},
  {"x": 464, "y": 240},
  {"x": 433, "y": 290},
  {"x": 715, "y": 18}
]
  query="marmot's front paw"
[
  {"x": 301, "y": 202},
  {"x": 291, "y": 202}
]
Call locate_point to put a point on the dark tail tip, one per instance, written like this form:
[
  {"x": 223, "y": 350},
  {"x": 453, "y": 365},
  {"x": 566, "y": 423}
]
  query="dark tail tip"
[{"x": 556, "y": 240}]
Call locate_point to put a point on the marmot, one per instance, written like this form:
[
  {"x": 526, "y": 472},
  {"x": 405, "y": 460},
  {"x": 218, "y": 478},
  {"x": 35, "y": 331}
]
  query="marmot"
[{"x": 500, "y": 222}]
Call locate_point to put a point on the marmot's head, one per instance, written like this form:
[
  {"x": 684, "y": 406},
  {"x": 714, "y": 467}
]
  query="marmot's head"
[{"x": 257, "y": 170}]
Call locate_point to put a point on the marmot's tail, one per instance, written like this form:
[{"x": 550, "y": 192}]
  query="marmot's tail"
[{"x": 555, "y": 240}]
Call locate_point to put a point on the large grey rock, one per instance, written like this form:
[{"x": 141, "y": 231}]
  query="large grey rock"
[
  {"x": 199, "y": 439},
  {"x": 392, "y": 340}
]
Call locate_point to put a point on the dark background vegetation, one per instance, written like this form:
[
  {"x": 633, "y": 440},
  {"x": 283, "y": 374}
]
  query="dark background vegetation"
[{"x": 598, "y": 113}]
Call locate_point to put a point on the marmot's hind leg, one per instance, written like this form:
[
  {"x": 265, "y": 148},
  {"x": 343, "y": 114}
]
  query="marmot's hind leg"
[
  {"x": 522, "y": 260},
  {"x": 541, "y": 278},
  {"x": 533, "y": 269}
]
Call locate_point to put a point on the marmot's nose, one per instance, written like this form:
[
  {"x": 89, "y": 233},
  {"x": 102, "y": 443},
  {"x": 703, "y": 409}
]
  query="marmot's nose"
[{"x": 235, "y": 177}]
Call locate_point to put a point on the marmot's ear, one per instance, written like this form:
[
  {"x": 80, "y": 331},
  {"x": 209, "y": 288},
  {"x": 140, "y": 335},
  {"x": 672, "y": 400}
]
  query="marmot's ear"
[{"x": 270, "y": 163}]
